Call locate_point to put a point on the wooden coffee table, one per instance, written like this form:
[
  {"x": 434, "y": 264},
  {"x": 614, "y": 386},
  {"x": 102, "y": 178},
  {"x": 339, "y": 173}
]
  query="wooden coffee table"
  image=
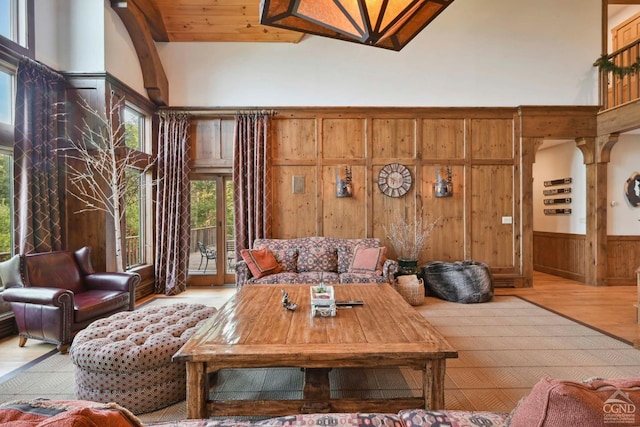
[{"x": 254, "y": 330}]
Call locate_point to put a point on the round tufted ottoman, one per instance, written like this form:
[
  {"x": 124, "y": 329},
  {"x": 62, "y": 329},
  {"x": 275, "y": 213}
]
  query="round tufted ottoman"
[{"x": 126, "y": 358}]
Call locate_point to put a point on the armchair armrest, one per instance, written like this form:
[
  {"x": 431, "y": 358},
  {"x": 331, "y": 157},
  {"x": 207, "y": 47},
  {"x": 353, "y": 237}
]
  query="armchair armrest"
[
  {"x": 243, "y": 274},
  {"x": 112, "y": 281},
  {"x": 43, "y": 296},
  {"x": 389, "y": 269}
]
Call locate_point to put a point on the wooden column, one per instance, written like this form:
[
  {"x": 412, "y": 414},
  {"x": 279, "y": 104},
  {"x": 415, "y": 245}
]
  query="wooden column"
[{"x": 596, "y": 157}]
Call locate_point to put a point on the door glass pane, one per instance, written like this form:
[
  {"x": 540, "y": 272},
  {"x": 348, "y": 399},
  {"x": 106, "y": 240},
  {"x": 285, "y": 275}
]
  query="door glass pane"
[
  {"x": 134, "y": 219},
  {"x": 229, "y": 231},
  {"x": 203, "y": 257}
]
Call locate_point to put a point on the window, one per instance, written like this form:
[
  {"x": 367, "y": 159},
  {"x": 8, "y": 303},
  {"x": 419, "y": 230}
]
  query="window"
[
  {"x": 7, "y": 96},
  {"x": 137, "y": 230},
  {"x": 6, "y": 205},
  {"x": 14, "y": 21}
]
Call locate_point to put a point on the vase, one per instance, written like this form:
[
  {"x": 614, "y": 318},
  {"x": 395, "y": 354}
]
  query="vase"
[{"x": 407, "y": 267}]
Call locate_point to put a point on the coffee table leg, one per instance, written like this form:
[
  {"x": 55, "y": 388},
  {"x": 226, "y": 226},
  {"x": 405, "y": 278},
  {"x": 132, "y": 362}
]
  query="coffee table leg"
[
  {"x": 316, "y": 384},
  {"x": 197, "y": 390},
  {"x": 433, "y": 384}
]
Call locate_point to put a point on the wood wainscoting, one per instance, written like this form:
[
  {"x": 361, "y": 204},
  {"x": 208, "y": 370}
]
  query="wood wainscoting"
[
  {"x": 623, "y": 259},
  {"x": 560, "y": 254},
  {"x": 563, "y": 255}
]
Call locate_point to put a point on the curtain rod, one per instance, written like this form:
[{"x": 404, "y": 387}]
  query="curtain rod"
[{"x": 199, "y": 111}]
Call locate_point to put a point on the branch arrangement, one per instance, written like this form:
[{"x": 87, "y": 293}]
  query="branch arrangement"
[
  {"x": 99, "y": 178},
  {"x": 409, "y": 239}
]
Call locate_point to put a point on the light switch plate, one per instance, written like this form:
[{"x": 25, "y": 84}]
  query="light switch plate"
[
  {"x": 298, "y": 185},
  {"x": 507, "y": 220}
]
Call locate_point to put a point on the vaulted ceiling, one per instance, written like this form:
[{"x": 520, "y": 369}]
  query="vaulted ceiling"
[{"x": 212, "y": 21}]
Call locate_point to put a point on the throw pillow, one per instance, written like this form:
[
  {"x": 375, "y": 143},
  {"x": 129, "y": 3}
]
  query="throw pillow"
[
  {"x": 368, "y": 260},
  {"x": 561, "y": 403},
  {"x": 261, "y": 262},
  {"x": 10, "y": 273},
  {"x": 287, "y": 258}
]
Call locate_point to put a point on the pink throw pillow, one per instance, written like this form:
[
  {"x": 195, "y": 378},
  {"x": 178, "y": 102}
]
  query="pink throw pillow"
[
  {"x": 368, "y": 260},
  {"x": 562, "y": 403}
]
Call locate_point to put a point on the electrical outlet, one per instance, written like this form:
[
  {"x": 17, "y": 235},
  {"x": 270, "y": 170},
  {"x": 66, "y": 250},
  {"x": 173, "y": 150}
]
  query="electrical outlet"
[{"x": 298, "y": 185}]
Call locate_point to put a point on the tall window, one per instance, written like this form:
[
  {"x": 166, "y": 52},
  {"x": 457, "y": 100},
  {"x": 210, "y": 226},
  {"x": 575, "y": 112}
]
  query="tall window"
[
  {"x": 13, "y": 21},
  {"x": 7, "y": 99},
  {"x": 137, "y": 228}
]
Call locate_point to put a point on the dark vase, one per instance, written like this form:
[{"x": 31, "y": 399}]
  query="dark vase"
[{"x": 407, "y": 267}]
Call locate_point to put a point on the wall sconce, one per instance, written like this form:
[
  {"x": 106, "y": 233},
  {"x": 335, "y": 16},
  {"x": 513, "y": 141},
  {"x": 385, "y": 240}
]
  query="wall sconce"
[
  {"x": 443, "y": 187},
  {"x": 344, "y": 185}
]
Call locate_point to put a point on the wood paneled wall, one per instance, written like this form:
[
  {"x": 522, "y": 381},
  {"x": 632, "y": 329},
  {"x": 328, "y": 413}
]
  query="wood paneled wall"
[{"x": 478, "y": 144}]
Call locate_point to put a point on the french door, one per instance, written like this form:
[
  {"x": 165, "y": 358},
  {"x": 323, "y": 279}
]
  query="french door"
[{"x": 212, "y": 249}]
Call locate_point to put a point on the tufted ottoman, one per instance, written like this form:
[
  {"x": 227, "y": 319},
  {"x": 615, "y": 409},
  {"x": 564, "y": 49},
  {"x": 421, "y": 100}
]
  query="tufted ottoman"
[{"x": 126, "y": 358}]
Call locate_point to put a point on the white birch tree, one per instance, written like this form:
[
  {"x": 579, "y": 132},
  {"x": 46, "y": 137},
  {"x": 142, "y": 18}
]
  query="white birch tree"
[{"x": 98, "y": 179}]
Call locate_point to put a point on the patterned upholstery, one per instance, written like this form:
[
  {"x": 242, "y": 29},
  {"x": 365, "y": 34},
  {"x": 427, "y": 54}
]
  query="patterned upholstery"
[
  {"x": 126, "y": 358},
  {"x": 312, "y": 259}
]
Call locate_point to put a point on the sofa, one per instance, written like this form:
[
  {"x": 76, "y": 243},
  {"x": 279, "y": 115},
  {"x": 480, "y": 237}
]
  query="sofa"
[
  {"x": 55, "y": 294},
  {"x": 80, "y": 413},
  {"x": 315, "y": 259},
  {"x": 552, "y": 402}
]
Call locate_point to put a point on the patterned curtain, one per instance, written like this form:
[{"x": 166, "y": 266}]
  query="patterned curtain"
[
  {"x": 251, "y": 179},
  {"x": 172, "y": 204},
  {"x": 37, "y": 210}
]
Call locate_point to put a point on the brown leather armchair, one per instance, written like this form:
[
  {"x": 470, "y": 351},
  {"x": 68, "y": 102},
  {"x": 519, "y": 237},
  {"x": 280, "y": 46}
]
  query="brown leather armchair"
[{"x": 61, "y": 294}]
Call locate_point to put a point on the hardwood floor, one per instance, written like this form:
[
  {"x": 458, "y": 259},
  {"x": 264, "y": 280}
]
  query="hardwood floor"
[{"x": 608, "y": 309}]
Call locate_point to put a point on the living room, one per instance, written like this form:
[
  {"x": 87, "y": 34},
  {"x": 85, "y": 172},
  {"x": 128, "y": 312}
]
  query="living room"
[{"x": 480, "y": 91}]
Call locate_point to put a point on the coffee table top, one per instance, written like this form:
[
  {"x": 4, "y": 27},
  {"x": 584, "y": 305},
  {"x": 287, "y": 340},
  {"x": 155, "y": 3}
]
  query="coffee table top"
[{"x": 253, "y": 329}]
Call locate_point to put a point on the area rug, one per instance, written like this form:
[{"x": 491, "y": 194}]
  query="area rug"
[{"x": 504, "y": 347}]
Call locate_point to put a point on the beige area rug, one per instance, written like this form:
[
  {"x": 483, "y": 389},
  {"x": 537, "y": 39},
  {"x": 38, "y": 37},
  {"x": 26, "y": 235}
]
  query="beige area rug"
[{"x": 505, "y": 346}]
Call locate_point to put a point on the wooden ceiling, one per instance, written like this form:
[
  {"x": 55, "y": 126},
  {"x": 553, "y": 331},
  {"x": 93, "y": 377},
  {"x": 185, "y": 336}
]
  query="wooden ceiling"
[{"x": 214, "y": 21}]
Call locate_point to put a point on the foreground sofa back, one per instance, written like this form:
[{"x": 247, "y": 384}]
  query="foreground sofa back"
[{"x": 315, "y": 259}]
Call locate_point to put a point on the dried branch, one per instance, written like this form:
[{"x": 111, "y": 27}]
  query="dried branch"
[
  {"x": 409, "y": 239},
  {"x": 98, "y": 177}
]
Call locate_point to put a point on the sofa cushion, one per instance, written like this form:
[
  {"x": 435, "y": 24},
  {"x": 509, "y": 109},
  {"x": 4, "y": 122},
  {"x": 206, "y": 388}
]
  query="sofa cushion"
[
  {"x": 287, "y": 258},
  {"x": 318, "y": 258},
  {"x": 559, "y": 403},
  {"x": 284, "y": 277},
  {"x": 433, "y": 418},
  {"x": 261, "y": 262},
  {"x": 368, "y": 260},
  {"x": 318, "y": 276}
]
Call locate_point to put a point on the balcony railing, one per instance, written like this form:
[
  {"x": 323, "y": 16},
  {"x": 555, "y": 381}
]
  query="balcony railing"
[
  {"x": 619, "y": 77},
  {"x": 206, "y": 235}
]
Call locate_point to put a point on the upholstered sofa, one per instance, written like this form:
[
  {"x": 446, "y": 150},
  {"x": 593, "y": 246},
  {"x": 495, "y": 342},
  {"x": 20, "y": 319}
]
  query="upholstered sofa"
[
  {"x": 54, "y": 295},
  {"x": 315, "y": 259}
]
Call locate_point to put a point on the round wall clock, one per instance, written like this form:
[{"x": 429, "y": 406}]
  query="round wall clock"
[{"x": 394, "y": 180}]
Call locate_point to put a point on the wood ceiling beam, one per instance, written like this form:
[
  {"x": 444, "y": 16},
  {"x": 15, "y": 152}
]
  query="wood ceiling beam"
[
  {"x": 153, "y": 75},
  {"x": 154, "y": 19}
]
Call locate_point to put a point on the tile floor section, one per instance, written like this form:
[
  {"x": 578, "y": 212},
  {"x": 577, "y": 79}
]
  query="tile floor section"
[{"x": 504, "y": 346}]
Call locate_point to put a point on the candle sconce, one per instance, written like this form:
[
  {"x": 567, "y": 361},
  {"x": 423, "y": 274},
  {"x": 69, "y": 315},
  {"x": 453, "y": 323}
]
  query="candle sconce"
[
  {"x": 443, "y": 187},
  {"x": 344, "y": 182}
]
